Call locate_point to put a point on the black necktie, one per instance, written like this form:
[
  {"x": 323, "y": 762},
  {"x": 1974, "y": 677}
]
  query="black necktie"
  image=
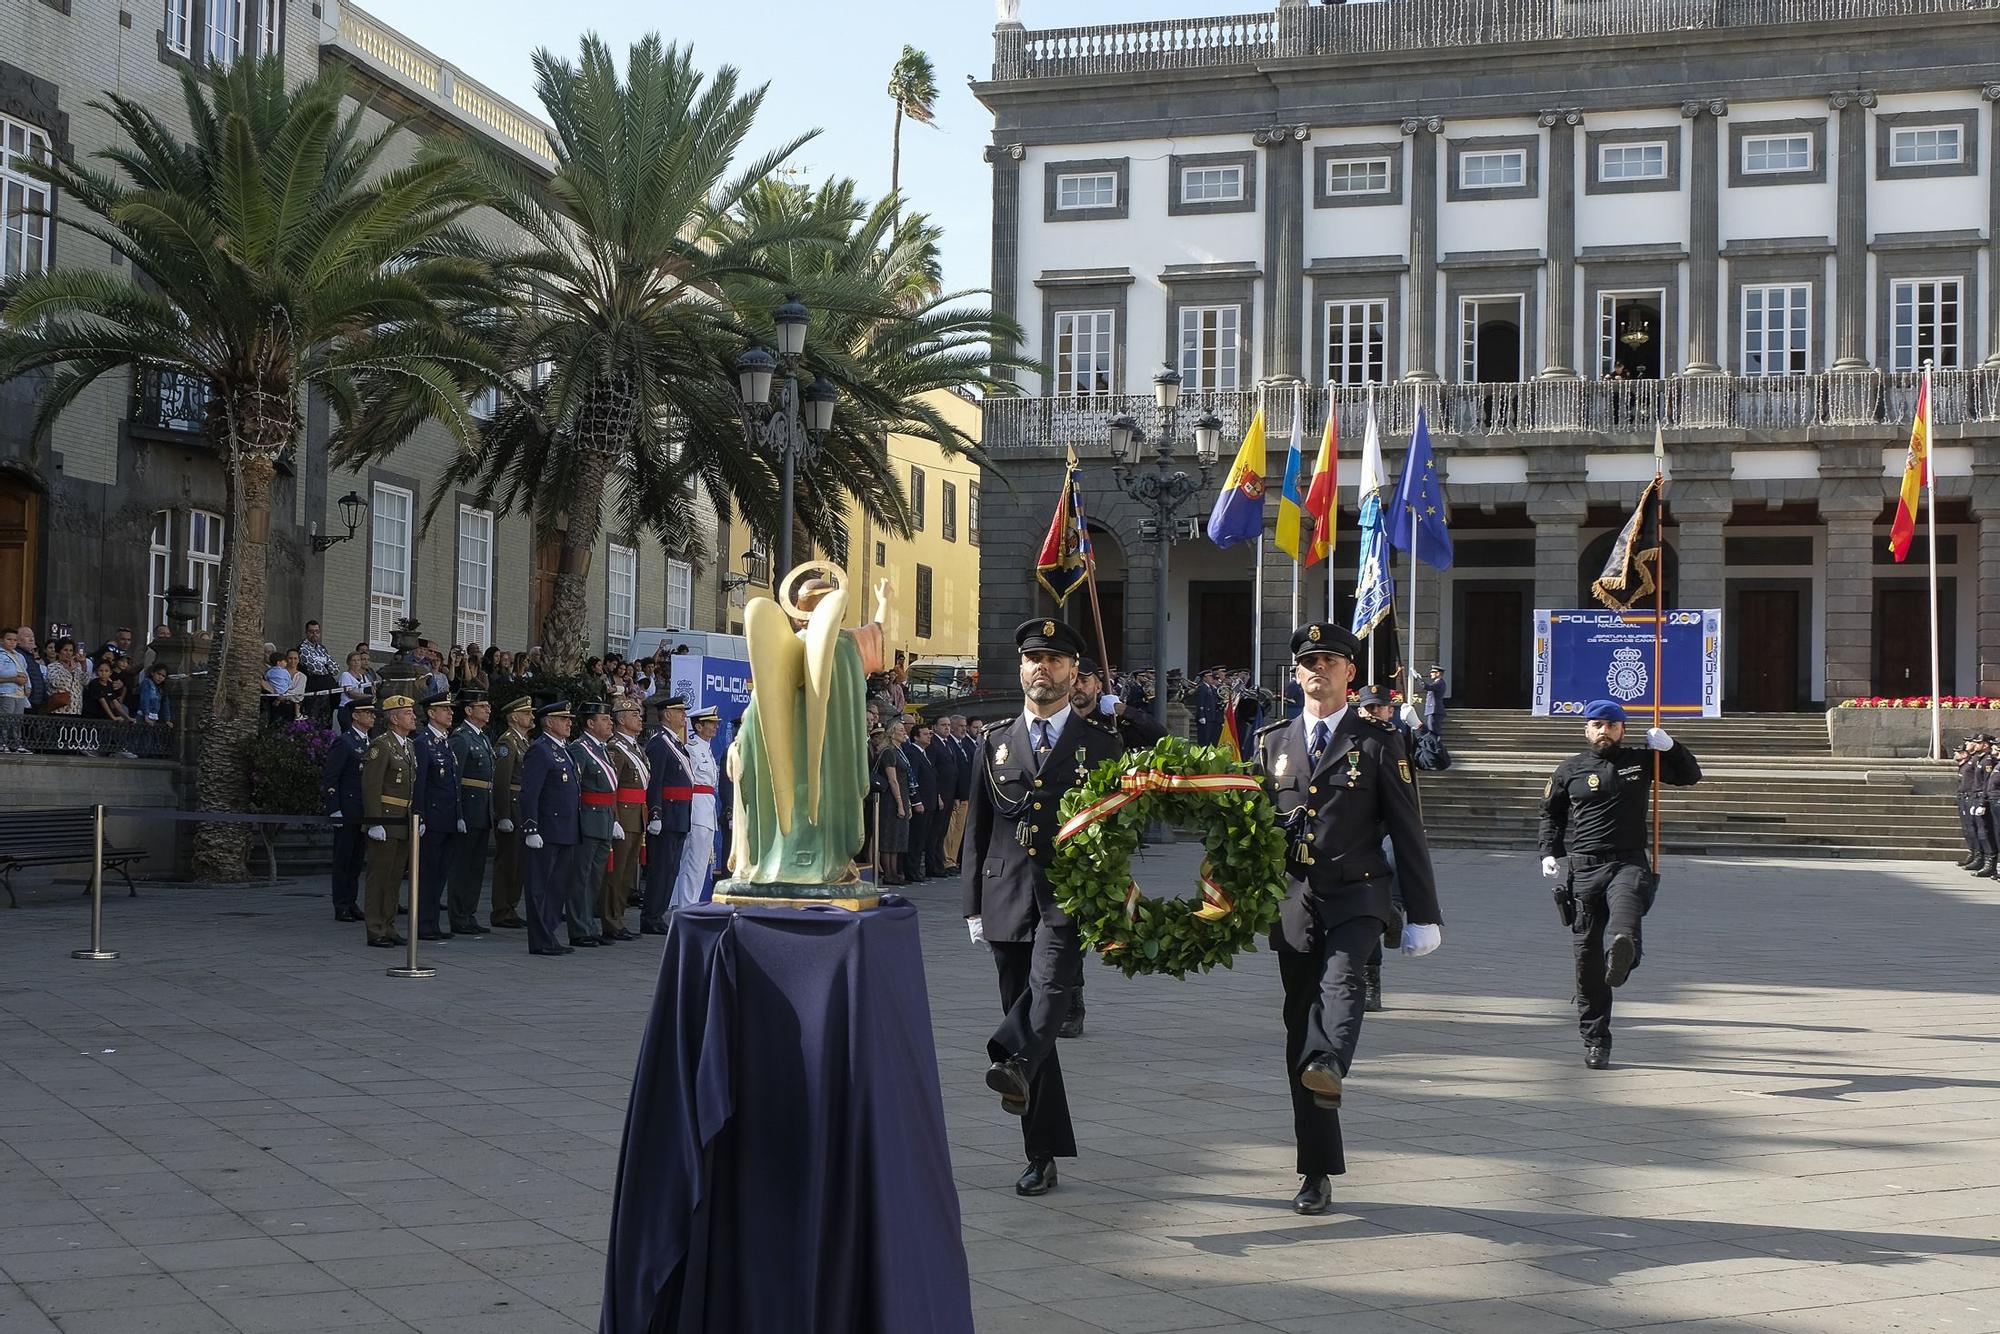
[
  {"x": 1042, "y": 743},
  {"x": 1318, "y": 747}
]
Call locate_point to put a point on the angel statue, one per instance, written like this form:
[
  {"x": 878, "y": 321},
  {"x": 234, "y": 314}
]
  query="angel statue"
[
  {"x": 800, "y": 758},
  {"x": 1007, "y": 11}
]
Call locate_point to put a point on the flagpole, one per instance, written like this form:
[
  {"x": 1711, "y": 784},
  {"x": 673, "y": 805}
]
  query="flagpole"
[
  {"x": 1410, "y": 666},
  {"x": 1257, "y": 602},
  {"x": 1299, "y": 410},
  {"x": 1659, "y": 615},
  {"x": 1930, "y": 537}
]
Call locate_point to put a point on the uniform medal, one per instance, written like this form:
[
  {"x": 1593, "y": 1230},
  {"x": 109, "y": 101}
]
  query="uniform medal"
[
  {"x": 1000, "y": 753},
  {"x": 1281, "y": 764}
]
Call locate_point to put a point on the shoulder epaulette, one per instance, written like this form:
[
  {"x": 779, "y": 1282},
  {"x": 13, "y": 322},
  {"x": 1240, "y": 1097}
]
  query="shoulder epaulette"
[{"x": 1258, "y": 735}]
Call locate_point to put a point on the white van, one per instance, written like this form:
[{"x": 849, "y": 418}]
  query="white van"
[{"x": 646, "y": 641}]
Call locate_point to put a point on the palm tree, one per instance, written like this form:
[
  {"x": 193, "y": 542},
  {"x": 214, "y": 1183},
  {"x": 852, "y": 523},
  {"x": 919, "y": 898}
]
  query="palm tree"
[
  {"x": 271, "y": 251},
  {"x": 619, "y": 326},
  {"x": 913, "y": 88}
]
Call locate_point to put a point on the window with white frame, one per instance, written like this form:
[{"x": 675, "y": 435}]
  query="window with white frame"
[
  {"x": 1777, "y": 329},
  {"x": 1775, "y": 154},
  {"x": 24, "y": 235},
  {"x": 1632, "y": 162},
  {"x": 1489, "y": 339},
  {"x": 757, "y": 562},
  {"x": 270, "y": 14},
  {"x": 224, "y": 40},
  {"x": 621, "y": 597},
  {"x": 1210, "y": 347},
  {"x": 1924, "y": 323},
  {"x": 1357, "y": 342},
  {"x": 1096, "y": 189},
  {"x": 484, "y": 403},
  {"x": 680, "y": 595},
  {"x": 1083, "y": 352},
  {"x": 177, "y": 28},
  {"x": 1925, "y": 145},
  {"x": 204, "y": 564},
  {"x": 474, "y": 623},
  {"x": 390, "y": 510},
  {"x": 159, "y": 567},
  {"x": 1493, "y": 171},
  {"x": 1211, "y": 185},
  {"x": 1623, "y": 316},
  {"x": 1358, "y": 176}
]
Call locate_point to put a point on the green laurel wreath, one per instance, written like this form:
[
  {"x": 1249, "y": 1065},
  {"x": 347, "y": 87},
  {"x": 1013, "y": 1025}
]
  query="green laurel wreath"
[{"x": 1244, "y": 875}]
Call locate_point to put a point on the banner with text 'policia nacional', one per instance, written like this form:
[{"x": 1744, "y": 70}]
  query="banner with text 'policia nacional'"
[{"x": 1592, "y": 654}]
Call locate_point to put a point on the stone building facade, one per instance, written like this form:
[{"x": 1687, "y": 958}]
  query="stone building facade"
[{"x": 1557, "y": 227}]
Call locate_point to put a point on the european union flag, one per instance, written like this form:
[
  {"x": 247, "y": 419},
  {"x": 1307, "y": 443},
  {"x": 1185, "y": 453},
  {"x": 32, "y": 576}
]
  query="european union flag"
[{"x": 1417, "y": 515}]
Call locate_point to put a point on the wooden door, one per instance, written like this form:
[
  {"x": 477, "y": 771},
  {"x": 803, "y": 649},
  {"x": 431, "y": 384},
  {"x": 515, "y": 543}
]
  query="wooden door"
[
  {"x": 1767, "y": 679},
  {"x": 1222, "y": 628},
  {"x": 1902, "y": 642},
  {"x": 20, "y": 513},
  {"x": 1492, "y": 668}
]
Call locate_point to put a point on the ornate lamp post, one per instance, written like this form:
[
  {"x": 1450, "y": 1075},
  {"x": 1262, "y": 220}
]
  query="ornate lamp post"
[
  {"x": 793, "y": 427},
  {"x": 183, "y": 606},
  {"x": 351, "y": 508},
  {"x": 1163, "y": 488}
]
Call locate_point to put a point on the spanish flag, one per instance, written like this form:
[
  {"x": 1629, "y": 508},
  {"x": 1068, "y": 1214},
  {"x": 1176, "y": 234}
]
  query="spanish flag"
[
  {"x": 1064, "y": 561},
  {"x": 1916, "y": 474},
  {"x": 1322, "y": 502},
  {"x": 1238, "y": 515},
  {"x": 1230, "y": 741}
]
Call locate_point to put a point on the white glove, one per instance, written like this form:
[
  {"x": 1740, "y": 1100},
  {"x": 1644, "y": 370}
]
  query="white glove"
[
  {"x": 1548, "y": 866},
  {"x": 505, "y": 826},
  {"x": 1657, "y": 739},
  {"x": 976, "y": 928},
  {"x": 653, "y": 827},
  {"x": 1411, "y": 717},
  {"x": 422, "y": 829},
  {"x": 617, "y": 833},
  {"x": 1421, "y": 940},
  {"x": 533, "y": 840},
  {"x": 1107, "y": 704},
  {"x": 461, "y": 826},
  {"x": 378, "y": 833}
]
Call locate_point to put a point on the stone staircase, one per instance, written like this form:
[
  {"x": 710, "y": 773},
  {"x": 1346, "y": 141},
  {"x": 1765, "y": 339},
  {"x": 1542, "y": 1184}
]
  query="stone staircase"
[{"x": 1770, "y": 787}]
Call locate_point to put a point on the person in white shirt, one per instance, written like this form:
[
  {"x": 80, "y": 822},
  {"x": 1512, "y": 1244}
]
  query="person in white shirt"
[{"x": 698, "y": 855}]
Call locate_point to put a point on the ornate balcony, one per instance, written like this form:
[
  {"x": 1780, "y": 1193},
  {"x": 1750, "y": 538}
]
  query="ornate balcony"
[
  {"x": 1402, "y": 25},
  {"x": 171, "y": 401},
  {"x": 1485, "y": 412}
]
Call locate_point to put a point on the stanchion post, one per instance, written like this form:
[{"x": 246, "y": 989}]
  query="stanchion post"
[
  {"x": 411, "y": 968},
  {"x": 96, "y": 950}
]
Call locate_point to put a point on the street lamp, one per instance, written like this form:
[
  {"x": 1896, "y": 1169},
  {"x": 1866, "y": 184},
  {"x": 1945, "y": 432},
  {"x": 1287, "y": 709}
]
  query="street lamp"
[
  {"x": 183, "y": 606},
  {"x": 1163, "y": 488},
  {"x": 351, "y": 507},
  {"x": 794, "y": 426}
]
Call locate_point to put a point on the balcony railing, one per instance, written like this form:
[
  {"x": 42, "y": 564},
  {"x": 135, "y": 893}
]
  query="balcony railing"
[
  {"x": 71, "y": 734},
  {"x": 401, "y": 61},
  {"x": 1402, "y": 25},
  {"x": 1606, "y": 407},
  {"x": 168, "y": 400}
]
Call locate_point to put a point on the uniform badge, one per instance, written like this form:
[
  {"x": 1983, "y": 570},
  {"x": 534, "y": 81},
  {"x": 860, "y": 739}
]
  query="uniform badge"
[
  {"x": 1312, "y": 633},
  {"x": 1593, "y": 782},
  {"x": 1082, "y": 767},
  {"x": 1353, "y": 767},
  {"x": 1000, "y": 753},
  {"x": 1280, "y": 765},
  {"x": 501, "y": 752},
  {"x": 1403, "y": 768},
  {"x": 1048, "y": 628}
]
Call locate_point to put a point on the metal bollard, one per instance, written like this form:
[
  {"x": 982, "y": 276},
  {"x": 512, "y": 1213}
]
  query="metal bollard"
[
  {"x": 410, "y": 968},
  {"x": 96, "y": 950}
]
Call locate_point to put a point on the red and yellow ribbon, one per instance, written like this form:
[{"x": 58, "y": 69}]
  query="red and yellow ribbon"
[{"x": 1143, "y": 782}]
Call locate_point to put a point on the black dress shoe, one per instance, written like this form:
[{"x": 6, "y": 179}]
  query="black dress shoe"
[
  {"x": 622, "y": 934},
  {"x": 1597, "y": 1058},
  {"x": 1072, "y": 1024},
  {"x": 1315, "y": 1195},
  {"x": 606, "y": 937},
  {"x": 1619, "y": 958},
  {"x": 1321, "y": 1078},
  {"x": 652, "y": 930},
  {"x": 434, "y": 935},
  {"x": 395, "y": 939},
  {"x": 349, "y": 914},
  {"x": 583, "y": 942},
  {"x": 382, "y": 942},
  {"x": 1009, "y": 1079},
  {"x": 509, "y": 923},
  {"x": 471, "y": 929},
  {"x": 552, "y": 951},
  {"x": 1039, "y": 1179}
]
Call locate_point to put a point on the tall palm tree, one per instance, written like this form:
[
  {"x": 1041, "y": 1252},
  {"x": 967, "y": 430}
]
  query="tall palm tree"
[
  {"x": 913, "y": 88},
  {"x": 619, "y": 326},
  {"x": 272, "y": 250}
]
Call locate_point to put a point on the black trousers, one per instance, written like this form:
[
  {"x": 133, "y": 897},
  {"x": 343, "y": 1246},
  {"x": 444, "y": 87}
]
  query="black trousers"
[
  {"x": 1611, "y": 898},
  {"x": 916, "y": 857},
  {"x": 546, "y": 873},
  {"x": 468, "y": 876},
  {"x": 663, "y": 863},
  {"x": 350, "y": 854},
  {"x": 433, "y": 873},
  {"x": 1324, "y": 1001},
  {"x": 1966, "y": 828},
  {"x": 1036, "y": 978}
]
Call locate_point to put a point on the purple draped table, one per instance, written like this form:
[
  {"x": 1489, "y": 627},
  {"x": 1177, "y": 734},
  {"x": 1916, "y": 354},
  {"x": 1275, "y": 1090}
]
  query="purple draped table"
[{"x": 785, "y": 1169}]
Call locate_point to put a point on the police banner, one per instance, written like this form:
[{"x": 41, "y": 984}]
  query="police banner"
[{"x": 1597, "y": 654}]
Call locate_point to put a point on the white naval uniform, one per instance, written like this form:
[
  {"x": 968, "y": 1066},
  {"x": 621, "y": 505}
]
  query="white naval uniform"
[{"x": 698, "y": 855}]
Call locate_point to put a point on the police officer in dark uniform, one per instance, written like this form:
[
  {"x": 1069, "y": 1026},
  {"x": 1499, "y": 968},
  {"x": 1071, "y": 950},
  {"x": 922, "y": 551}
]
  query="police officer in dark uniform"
[
  {"x": 1340, "y": 781},
  {"x": 473, "y": 754},
  {"x": 1207, "y": 709},
  {"x": 549, "y": 802},
  {"x": 1594, "y": 811},
  {"x": 1136, "y": 728},
  {"x": 1986, "y": 811},
  {"x": 1968, "y": 800},
  {"x": 1026, "y": 765},
  {"x": 439, "y": 812},
  {"x": 669, "y": 811},
  {"x": 340, "y": 786}
]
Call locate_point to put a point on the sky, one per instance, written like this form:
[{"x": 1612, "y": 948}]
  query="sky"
[{"x": 827, "y": 65}]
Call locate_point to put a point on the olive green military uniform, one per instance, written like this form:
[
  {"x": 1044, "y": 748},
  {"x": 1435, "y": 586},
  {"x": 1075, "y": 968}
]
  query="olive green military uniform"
[
  {"x": 507, "y": 753},
  {"x": 622, "y": 883},
  {"x": 388, "y": 787}
]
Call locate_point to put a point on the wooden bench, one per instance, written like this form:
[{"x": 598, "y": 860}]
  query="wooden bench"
[{"x": 56, "y": 838}]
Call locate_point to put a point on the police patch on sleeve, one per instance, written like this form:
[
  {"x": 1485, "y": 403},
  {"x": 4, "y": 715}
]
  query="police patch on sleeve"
[
  {"x": 1403, "y": 768},
  {"x": 1548, "y": 789}
]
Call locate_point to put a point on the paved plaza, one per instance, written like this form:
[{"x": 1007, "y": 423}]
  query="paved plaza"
[{"x": 243, "y": 1125}]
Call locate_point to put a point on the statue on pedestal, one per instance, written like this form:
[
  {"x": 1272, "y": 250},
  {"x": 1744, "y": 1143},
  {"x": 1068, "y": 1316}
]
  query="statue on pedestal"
[{"x": 800, "y": 758}]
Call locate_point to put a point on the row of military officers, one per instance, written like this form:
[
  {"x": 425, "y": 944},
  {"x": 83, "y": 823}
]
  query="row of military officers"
[{"x": 579, "y": 828}]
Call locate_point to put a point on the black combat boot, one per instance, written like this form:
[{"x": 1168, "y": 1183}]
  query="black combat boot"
[{"x": 1987, "y": 870}]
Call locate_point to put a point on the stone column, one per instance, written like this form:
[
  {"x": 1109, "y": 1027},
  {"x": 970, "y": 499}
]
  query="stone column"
[
  {"x": 1557, "y": 505},
  {"x": 1850, "y": 501},
  {"x": 1991, "y": 92},
  {"x": 1420, "y": 314},
  {"x": 1986, "y": 595},
  {"x": 1850, "y": 246},
  {"x": 1559, "y": 316},
  {"x": 1010, "y": 49},
  {"x": 1700, "y": 500},
  {"x": 1284, "y": 249},
  {"x": 1704, "y": 234},
  {"x": 1006, "y": 163}
]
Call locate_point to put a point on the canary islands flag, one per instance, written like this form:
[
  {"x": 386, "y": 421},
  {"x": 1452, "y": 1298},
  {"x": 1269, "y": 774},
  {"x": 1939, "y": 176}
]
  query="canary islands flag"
[
  {"x": 1291, "y": 497},
  {"x": 1239, "y": 509}
]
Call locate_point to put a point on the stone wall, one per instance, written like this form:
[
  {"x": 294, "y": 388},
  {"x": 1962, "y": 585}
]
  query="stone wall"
[
  {"x": 1901, "y": 733},
  {"x": 39, "y": 782}
]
